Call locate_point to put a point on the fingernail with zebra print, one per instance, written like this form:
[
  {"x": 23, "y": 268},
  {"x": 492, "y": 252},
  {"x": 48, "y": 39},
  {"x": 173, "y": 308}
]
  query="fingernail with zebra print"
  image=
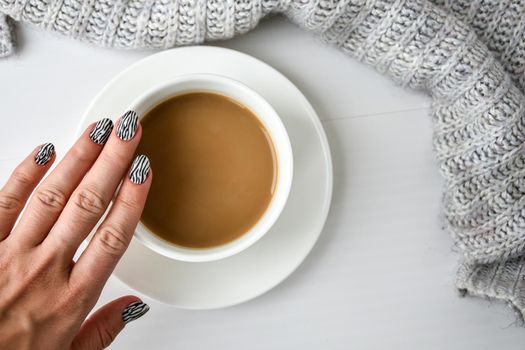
[
  {"x": 101, "y": 131},
  {"x": 139, "y": 170},
  {"x": 44, "y": 154},
  {"x": 133, "y": 311},
  {"x": 128, "y": 126}
]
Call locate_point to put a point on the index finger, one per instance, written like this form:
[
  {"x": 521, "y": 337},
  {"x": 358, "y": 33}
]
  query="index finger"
[{"x": 112, "y": 238}]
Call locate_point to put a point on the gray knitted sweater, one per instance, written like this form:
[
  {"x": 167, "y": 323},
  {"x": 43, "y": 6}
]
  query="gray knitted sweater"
[{"x": 468, "y": 55}]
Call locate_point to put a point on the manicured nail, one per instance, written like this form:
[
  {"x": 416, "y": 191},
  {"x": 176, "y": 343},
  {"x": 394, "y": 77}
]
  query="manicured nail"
[
  {"x": 128, "y": 125},
  {"x": 44, "y": 154},
  {"x": 101, "y": 132},
  {"x": 139, "y": 170},
  {"x": 133, "y": 311}
]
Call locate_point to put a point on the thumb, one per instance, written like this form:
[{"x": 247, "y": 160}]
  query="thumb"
[{"x": 103, "y": 326}]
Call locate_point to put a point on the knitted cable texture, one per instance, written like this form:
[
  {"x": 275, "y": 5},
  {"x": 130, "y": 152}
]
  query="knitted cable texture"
[
  {"x": 6, "y": 37},
  {"x": 468, "y": 55}
]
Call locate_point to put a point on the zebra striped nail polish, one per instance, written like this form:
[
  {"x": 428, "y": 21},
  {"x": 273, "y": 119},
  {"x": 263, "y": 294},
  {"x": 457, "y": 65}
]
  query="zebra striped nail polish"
[
  {"x": 128, "y": 126},
  {"x": 101, "y": 132},
  {"x": 139, "y": 170},
  {"x": 134, "y": 311},
  {"x": 44, "y": 154}
]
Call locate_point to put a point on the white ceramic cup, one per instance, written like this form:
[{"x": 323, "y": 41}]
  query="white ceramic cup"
[{"x": 273, "y": 124}]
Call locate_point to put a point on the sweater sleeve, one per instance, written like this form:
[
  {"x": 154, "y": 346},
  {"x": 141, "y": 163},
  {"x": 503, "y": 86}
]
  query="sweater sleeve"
[
  {"x": 6, "y": 37},
  {"x": 142, "y": 24},
  {"x": 478, "y": 116}
]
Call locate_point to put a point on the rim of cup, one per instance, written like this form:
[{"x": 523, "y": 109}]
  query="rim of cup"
[{"x": 279, "y": 137}]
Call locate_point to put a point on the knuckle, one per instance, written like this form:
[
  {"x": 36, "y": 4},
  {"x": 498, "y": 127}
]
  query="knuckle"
[
  {"x": 22, "y": 178},
  {"x": 116, "y": 156},
  {"x": 89, "y": 201},
  {"x": 51, "y": 197},
  {"x": 113, "y": 240},
  {"x": 129, "y": 203},
  {"x": 81, "y": 154},
  {"x": 10, "y": 203}
]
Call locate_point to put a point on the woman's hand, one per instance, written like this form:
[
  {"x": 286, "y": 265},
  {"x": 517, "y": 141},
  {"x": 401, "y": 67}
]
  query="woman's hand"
[{"x": 45, "y": 296}]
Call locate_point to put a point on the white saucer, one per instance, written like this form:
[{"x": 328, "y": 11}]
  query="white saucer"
[{"x": 264, "y": 265}]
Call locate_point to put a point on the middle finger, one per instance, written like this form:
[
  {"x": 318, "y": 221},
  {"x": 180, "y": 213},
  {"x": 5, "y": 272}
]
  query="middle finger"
[{"x": 91, "y": 198}]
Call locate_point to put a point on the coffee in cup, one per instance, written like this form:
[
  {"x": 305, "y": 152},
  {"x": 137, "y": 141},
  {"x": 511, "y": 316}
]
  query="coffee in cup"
[{"x": 215, "y": 169}]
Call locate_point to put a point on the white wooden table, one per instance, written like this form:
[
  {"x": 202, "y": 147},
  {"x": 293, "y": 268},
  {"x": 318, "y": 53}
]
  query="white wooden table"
[{"x": 381, "y": 275}]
